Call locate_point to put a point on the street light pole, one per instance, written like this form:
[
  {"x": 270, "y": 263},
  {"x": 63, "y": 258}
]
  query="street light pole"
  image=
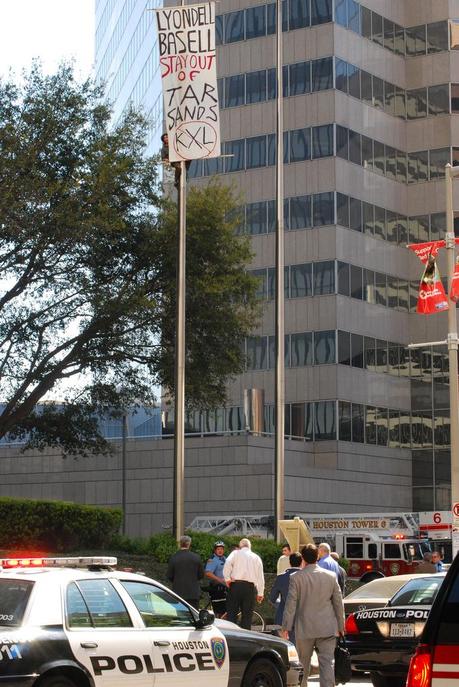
[
  {"x": 450, "y": 174},
  {"x": 279, "y": 431}
]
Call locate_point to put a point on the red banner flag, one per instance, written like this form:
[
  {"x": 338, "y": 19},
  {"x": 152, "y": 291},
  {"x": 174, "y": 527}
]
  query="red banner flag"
[
  {"x": 432, "y": 297},
  {"x": 454, "y": 291}
]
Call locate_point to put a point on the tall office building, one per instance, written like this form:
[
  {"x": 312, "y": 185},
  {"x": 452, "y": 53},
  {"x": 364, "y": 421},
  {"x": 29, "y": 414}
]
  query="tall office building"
[{"x": 369, "y": 119}]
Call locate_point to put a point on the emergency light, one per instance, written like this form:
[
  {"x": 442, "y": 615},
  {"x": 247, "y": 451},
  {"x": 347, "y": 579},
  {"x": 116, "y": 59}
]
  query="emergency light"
[{"x": 73, "y": 562}]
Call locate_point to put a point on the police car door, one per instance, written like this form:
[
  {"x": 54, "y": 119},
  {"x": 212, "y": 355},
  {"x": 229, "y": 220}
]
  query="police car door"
[
  {"x": 103, "y": 636},
  {"x": 183, "y": 655}
]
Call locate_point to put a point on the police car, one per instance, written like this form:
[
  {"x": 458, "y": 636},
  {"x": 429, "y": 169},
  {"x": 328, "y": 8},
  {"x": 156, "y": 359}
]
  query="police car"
[
  {"x": 382, "y": 640},
  {"x": 436, "y": 661},
  {"x": 76, "y": 622}
]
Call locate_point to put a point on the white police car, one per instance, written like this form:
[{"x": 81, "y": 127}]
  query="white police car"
[{"x": 76, "y": 622}]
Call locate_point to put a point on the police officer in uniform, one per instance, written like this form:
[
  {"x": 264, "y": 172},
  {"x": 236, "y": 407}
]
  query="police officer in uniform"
[{"x": 214, "y": 573}]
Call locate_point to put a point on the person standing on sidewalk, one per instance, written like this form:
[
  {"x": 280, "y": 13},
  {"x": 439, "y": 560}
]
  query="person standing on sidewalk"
[
  {"x": 217, "y": 584},
  {"x": 243, "y": 572},
  {"x": 185, "y": 570},
  {"x": 315, "y": 608}
]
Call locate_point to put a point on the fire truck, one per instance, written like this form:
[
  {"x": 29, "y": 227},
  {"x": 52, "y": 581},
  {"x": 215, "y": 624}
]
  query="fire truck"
[
  {"x": 375, "y": 544},
  {"x": 436, "y": 526}
]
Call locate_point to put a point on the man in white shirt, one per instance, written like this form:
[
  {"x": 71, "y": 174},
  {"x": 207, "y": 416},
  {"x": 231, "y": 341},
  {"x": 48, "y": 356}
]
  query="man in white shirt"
[{"x": 243, "y": 573}]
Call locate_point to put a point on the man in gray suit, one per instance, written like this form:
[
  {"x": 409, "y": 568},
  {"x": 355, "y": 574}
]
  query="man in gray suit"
[{"x": 315, "y": 607}]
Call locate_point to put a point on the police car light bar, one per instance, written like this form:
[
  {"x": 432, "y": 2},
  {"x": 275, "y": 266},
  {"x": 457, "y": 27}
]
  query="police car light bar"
[{"x": 73, "y": 562}]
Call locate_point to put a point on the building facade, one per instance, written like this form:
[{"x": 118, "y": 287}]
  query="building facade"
[{"x": 371, "y": 96}]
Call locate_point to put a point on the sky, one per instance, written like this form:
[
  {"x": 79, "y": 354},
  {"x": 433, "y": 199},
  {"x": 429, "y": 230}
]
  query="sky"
[{"x": 49, "y": 29}]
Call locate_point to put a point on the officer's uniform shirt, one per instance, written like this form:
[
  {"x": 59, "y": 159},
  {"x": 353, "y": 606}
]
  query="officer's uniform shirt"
[{"x": 215, "y": 565}]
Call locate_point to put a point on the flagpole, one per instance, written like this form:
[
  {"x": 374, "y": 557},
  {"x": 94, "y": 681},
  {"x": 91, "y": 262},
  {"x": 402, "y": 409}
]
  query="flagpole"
[{"x": 279, "y": 338}]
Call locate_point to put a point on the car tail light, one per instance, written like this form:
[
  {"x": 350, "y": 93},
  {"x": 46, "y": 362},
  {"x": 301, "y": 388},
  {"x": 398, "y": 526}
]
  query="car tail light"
[
  {"x": 420, "y": 671},
  {"x": 350, "y": 627}
]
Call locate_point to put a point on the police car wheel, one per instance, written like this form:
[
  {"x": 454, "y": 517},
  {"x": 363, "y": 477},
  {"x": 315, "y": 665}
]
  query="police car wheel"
[
  {"x": 262, "y": 673},
  {"x": 379, "y": 680},
  {"x": 56, "y": 680}
]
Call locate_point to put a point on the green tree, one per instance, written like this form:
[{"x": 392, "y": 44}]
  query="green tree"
[{"x": 87, "y": 258}]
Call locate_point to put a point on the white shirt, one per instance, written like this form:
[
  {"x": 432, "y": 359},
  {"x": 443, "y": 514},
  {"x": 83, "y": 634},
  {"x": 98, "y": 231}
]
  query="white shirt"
[{"x": 243, "y": 564}]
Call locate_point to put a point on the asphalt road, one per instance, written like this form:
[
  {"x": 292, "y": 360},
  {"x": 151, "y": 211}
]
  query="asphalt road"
[{"x": 361, "y": 681}]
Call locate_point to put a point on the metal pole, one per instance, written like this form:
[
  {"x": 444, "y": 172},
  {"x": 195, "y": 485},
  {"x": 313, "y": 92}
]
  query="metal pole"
[
  {"x": 452, "y": 346},
  {"x": 179, "y": 419},
  {"x": 123, "y": 471},
  {"x": 280, "y": 344}
]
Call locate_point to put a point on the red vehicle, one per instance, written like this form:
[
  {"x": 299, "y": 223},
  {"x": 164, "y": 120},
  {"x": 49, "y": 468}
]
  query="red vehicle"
[{"x": 375, "y": 545}]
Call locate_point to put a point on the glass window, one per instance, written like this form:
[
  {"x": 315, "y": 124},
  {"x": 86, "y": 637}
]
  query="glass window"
[
  {"x": 399, "y": 40},
  {"x": 256, "y": 86},
  {"x": 365, "y": 22},
  {"x": 157, "y": 607},
  {"x": 322, "y": 74},
  {"x": 368, "y": 218},
  {"x": 300, "y": 212},
  {"x": 298, "y": 15},
  {"x": 437, "y": 36},
  {"x": 342, "y": 142},
  {"x": 324, "y": 420},
  {"x": 367, "y": 152},
  {"x": 366, "y": 87},
  {"x": 394, "y": 429},
  {"x": 438, "y": 159},
  {"x": 378, "y": 92},
  {"x": 301, "y": 280},
  {"x": 345, "y": 421},
  {"x": 341, "y": 81},
  {"x": 391, "y": 226},
  {"x": 323, "y": 209},
  {"x": 354, "y": 547},
  {"x": 437, "y": 226},
  {"x": 344, "y": 348},
  {"x": 343, "y": 279},
  {"x": 403, "y": 295},
  {"x": 14, "y": 596},
  {"x": 77, "y": 612},
  {"x": 381, "y": 355},
  {"x": 355, "y": 148},
  {"x": 422, "y": 159},
  {"x": 301, "y": 349},
  {"x": 342, "y": 207},
  {"x": 356, "y": 350},
  {"x": 321, "y": 11},
  {"x": 234, "y": 26},
  {"x": 256, "y": 218},
  {"x": 324, "y": 278},
  {"x": 382, "y": 426},
  {"x": 455, "y": 97},
  {"x": 103, "y": 603},
  {"x": 299, "y": 78},
  {"x": 324, "y": 348},
  {"x": 379, "y": 157},
  {"x": 322, "y": 141},
  {"x": 369, "y": 286},
  {"x": 237, "y": 150},
  {"x": 402, "y": 167},
  {"x": 353, "y": 15},
  {"x": 195, "y": 169},
  {"x": 377, "y": 28},
  {"x": 356, "y": 282},
  {"x": 262, "y": 283},
  {"x": 211, "y": 166},
  {"x": 416, "y": 40},
  {"x": 389, "y": 97},
  {"x": 391, "y": 163},
  {"x": 380, "y": 289},
  {"x": 255, "y": 21},
  {"x": 369, "y": 346},
  {"x": 219, "y": 29},
  {"x": 402, "y": 229},
  {"x": 257, "y": 353},
  {"x": 272, "y": 351},
  {"x": 370, "y": 425},
  {"x": 234, "y": 90},
  {"x": 256, "y": 152},
  {"x": 341, "y": 12},
  {"x": 358, "y": 423},
  {"x": 416, "y": 103},
  {"x": 353, "y": 75},
  {"x": 300, "y": 145},
  {"x": 400, "y": 104},
  {"x": 389, "y": 34},
  {"x": 438, "y": 99},
  {"x": 302, "y": 420},
  {"x": 355, "y": 215}
]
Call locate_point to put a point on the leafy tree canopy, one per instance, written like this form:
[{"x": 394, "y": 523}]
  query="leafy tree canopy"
[{"x": 87, "y": 258}]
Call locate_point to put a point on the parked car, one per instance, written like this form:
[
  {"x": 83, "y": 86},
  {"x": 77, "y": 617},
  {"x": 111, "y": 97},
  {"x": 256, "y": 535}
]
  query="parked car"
[
  {"x": 375, "y": 593},
  {"x": 381, "y": 641}
]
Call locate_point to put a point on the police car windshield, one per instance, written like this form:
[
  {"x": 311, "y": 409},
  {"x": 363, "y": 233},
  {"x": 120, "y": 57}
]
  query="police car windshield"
[
  {"x": 14, "y": 595},
  {"x": 418, "y": 592}
]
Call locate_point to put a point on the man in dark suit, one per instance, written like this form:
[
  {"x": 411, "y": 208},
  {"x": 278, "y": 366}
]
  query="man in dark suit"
[
  {"x": 185, "y": 570},
  {"x": 315, "y": 606},
  {"x": 280, "y": 589}
]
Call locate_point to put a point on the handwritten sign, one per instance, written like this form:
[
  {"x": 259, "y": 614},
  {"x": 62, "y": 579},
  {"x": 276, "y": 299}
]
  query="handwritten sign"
[{"x": 186, "y": 39}]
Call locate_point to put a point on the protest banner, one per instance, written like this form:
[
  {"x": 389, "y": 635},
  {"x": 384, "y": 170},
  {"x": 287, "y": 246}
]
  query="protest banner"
[{"x": 187, "y": 57}]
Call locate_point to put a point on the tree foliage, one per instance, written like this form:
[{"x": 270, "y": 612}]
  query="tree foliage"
[{"x": 87, "y": 257}]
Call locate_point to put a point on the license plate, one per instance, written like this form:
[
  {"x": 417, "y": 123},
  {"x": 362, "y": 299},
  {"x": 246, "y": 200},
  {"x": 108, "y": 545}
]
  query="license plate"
[{"x": 402, "y": 630}]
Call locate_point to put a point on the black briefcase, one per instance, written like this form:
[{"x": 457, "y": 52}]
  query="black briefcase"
[{"x": 343, "y": 670}]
